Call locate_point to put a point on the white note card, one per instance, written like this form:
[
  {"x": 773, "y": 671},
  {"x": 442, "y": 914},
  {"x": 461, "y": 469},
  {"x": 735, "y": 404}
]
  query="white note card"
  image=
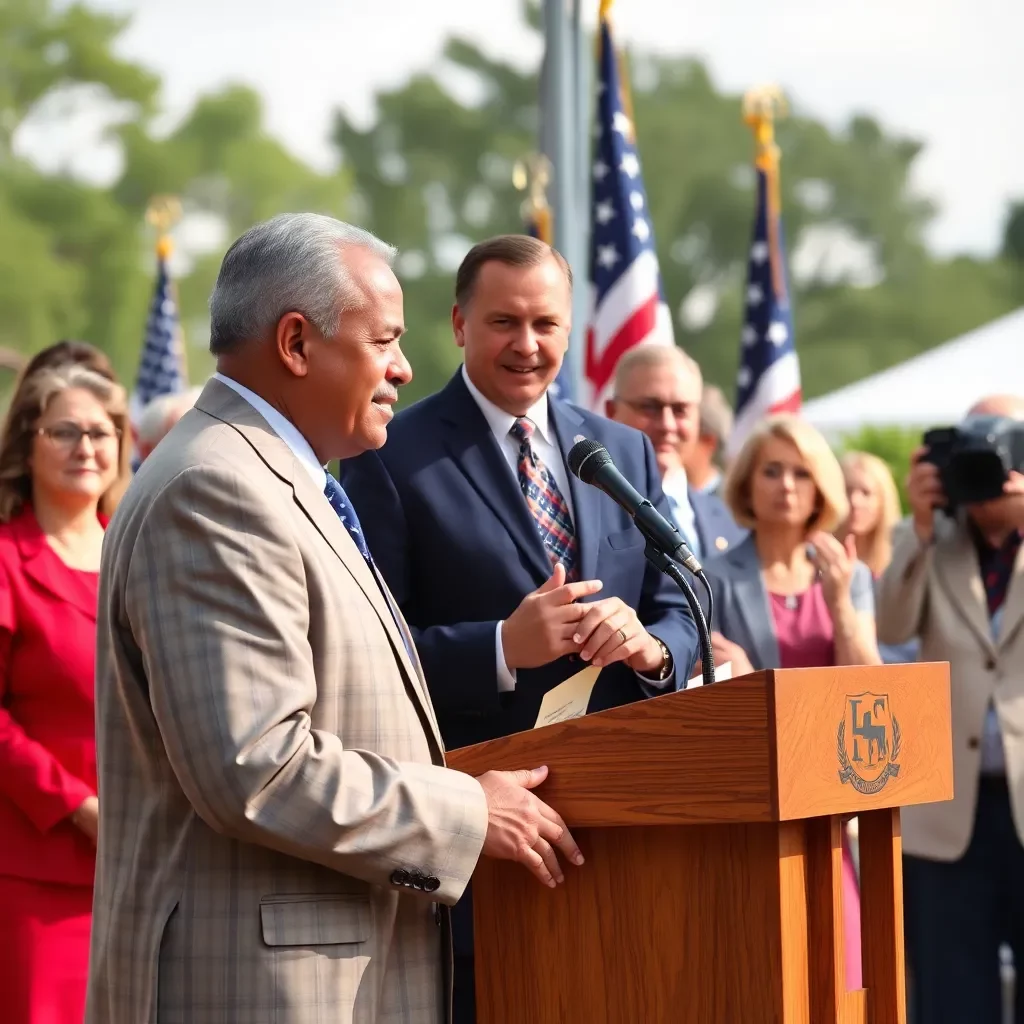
[
  {"x": 568, "y": 699},
  {"x": 722, "y": 672}
]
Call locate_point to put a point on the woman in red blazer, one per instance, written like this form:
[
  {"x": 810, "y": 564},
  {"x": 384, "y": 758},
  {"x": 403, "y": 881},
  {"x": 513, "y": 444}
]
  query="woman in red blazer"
[{"x": 60, "y": 459}]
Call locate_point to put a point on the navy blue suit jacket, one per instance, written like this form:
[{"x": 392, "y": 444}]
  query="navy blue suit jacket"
[
  {"x": 449, "y": 529},
  {"x": 716, "y": 527}
]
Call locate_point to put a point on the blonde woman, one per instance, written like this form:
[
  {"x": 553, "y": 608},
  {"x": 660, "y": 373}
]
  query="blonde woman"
[
  {"x": 60, "y": 468},
  {"x": 791, "y": 595},
  {"x": 874, "y": 509}
]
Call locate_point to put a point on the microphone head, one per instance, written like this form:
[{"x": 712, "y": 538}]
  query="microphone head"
[{"x": 586, "y": 457}]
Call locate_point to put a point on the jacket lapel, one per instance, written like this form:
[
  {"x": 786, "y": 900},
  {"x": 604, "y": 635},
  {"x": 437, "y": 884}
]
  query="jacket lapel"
[
  {"x": 711, "y": 522},
  {"x": 318, "y": 510},
  {"x": 43, "y": 566},
  {"x": 1013, "y": 609},
  {"x": 960, "y": 577},
  {"x": 752, "y": 605},
  {"x": 220, "y": 401},
  {"x": 587, "y": 501},
  {"x": 475, "y": 451}
]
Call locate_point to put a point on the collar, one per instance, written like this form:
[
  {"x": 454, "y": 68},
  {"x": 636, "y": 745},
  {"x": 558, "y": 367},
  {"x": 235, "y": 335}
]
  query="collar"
[
  {"x": 676, "y": 486},
  {"x": 501, "y": 422},
  {"x": 984, "y": 548},
  {"x": 284, "y": 428}
]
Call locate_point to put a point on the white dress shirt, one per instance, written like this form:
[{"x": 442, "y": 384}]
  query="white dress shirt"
[
  {"x": 677, "y": 490},
  {"x": 546, "y": 448},
  {"x": 543, "y": 441},
  {"x": 284, "y": 428}
]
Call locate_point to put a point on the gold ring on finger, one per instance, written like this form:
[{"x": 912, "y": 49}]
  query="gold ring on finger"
[{"x": 622, "y": 634}]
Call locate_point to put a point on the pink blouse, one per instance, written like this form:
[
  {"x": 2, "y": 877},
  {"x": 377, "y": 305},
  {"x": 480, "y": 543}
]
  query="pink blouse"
[{"x": 804, "y": 630}]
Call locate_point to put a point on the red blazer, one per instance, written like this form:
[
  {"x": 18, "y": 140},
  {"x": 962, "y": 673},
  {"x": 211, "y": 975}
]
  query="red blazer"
[{"x": 47, "y": 727}]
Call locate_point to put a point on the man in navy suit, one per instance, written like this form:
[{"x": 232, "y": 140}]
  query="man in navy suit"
[
  {"x": 512, "y": 574},
  {"x": 658, "y": 390}
]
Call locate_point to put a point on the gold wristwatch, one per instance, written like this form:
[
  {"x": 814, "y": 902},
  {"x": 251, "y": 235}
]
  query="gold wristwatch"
[{"x": 666, "y": 665}]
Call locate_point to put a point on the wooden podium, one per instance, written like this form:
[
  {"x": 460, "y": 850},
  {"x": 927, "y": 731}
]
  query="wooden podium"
[{"x": 711, "y": 824}]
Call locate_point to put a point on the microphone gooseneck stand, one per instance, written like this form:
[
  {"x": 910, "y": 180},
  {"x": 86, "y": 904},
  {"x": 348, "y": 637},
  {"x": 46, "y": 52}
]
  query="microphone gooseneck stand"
[
  {"x": 661, "y": 561},
  {"x": 590, "y": 462}
]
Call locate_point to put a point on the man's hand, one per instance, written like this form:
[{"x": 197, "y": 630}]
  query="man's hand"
[
  {"x": 86, "y": 818},
  {"x": 541, "y": 629},
  {"x": 924, "y": 491},
  {"x": 523, "y": 828},
  {"x": 610, "y": 631}
]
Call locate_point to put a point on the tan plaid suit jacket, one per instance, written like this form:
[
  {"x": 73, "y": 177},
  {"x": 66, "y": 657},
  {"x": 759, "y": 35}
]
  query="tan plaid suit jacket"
[{"x": 276, "y": 821}]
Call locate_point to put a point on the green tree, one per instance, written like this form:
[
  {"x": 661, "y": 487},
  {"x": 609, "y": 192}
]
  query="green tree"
[
  {"x": 223, "y": 164},
  {"x": 76, "y": 259},
  {"x": 433, "y": 174},
  {"x": 893, "y": 445},
  {"x": 65, "y": 247},
  {"x": 1013, "y": 233}
]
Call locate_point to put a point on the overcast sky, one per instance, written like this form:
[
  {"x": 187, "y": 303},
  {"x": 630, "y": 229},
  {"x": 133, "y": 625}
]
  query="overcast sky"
[{"x": 949, "y": 72}]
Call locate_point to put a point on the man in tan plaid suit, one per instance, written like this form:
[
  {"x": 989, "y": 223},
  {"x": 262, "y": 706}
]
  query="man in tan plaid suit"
[{"x": 279, "y": 837}]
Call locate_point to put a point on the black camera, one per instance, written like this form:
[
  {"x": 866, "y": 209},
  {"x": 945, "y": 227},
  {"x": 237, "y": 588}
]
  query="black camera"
[{"x": 975, "y": 458}]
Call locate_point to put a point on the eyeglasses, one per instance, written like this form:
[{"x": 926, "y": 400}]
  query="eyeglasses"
[
  {"x": 655, "y": 409},
  {"x": 67, "y": 436}
]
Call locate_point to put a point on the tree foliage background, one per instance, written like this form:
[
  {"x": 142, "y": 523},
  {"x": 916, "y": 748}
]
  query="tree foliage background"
[{"x": 432, "y": 174}]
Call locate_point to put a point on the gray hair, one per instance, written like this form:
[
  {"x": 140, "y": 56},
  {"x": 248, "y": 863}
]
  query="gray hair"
[
  {"x": 152, "y": 425},
  {"x": 649, "y": 356},
  {"x": 715, "y": 415},
  {"x": 286, "y": 264}
]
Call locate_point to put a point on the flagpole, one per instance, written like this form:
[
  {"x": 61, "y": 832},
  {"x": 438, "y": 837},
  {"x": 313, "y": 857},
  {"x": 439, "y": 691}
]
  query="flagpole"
[
  {"x": 561, "y": 144},
  {"x": 761, "y": 107},
  {"x": 162, "y": 213},
  {"x": 583, "y": 67}
]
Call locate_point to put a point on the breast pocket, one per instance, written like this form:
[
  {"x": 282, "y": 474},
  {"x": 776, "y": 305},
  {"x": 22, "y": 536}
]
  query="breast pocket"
[
  {"x": 315, "y": 920},
  {"x": 625, "y": 540}
]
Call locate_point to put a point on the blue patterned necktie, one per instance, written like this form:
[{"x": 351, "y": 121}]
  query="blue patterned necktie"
[
  {"x": 347, "y": 514},
  {"x": 336, "y": 495},
  {"x": 545, "y": 501}
]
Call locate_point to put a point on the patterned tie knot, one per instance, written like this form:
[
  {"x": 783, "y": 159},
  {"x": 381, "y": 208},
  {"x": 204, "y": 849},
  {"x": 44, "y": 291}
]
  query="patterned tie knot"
[{"x": 522, "y": 430}]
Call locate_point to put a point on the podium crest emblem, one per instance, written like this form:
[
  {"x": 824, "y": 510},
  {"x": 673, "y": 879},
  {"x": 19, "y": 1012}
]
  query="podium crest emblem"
[{"x": 868, "y": 742}]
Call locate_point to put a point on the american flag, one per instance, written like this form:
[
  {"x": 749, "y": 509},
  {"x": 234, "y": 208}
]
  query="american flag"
[
  {"x": 627, "y": 305},
  {"x": 161, "y": 368},
  {"x": 768, "y": 379}
]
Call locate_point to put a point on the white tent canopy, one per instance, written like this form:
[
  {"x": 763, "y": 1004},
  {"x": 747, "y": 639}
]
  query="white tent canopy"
[{"x": 931, "y": 390}]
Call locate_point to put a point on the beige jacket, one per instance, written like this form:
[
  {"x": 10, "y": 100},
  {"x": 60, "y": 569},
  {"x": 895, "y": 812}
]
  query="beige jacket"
[
  {"x": 936, "y": 593},
  {"x": 276, "y": 821}
]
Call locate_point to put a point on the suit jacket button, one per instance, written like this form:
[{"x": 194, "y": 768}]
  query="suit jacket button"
[
  {"x": 972, "y": 743},
  {"x": 399, "y": 877},
  {"x": 432, "y": 884},
  {"x": 990, "y": 664}
]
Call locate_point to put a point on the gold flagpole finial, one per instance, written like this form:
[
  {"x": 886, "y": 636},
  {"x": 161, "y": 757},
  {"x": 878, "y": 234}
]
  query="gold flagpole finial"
[
  {"x": 605, "y": 9},
  {"x": 532, "y": 176},
  {"x": 162, "y": 213},
  {"x": 762, "y": 107}
]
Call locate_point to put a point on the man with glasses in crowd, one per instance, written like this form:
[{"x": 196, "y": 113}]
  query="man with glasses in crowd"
[{"x": 658, "y": 389}]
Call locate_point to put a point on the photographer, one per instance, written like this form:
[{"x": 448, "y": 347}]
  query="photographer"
[{"x": 955, "y": 582}]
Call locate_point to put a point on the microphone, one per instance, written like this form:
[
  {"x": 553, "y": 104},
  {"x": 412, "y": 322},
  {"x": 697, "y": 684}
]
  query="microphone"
[{"x": 591, "y": 462}]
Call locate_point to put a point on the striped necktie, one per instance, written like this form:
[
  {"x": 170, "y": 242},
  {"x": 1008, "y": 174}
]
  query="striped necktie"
[{"x": 545, "y": 501}]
